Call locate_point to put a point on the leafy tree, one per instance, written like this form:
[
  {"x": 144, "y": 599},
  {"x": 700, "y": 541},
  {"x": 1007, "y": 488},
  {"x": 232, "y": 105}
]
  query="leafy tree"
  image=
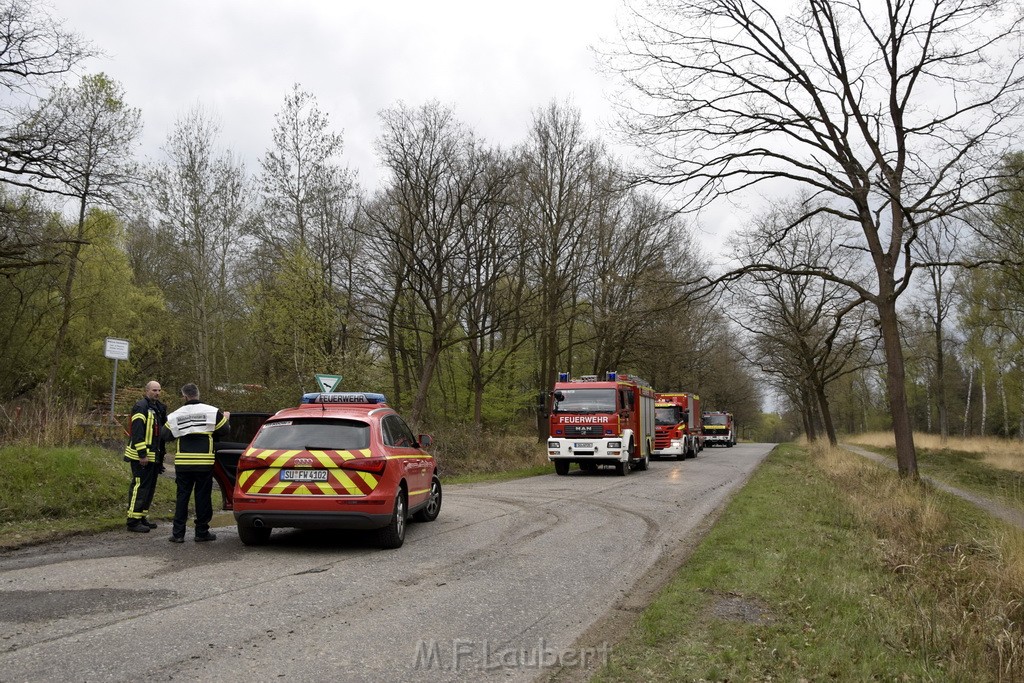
[{"x": 98, "y": 132}]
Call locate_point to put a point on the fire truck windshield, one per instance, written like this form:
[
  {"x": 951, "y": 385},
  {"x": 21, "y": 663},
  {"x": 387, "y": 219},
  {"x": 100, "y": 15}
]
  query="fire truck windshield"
[
  {"x": 584, "y": 401},
  {"x": 715, "y": 419},
  {"x": 668, "y": 415}
]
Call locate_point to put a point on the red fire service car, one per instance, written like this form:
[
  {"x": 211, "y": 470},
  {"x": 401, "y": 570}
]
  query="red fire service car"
[
  {"x": 601, "y": 422},
  {"x": 341, "y": 460}
]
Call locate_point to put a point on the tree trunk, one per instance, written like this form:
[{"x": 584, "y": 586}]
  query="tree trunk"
[
  {"x": 67, "y": 292},
  {"x": 826, "y": 413},
  {"x": 984, "y": 402},
  {"x": 895, "y": 382},
  {"x": 940, "y": 386},
  {"x": 967, "y": 403}
]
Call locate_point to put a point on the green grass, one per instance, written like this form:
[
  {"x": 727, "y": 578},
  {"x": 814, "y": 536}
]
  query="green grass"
[
  {"x": 800, "y": 581},
  {"x": 48, "y": 493}
]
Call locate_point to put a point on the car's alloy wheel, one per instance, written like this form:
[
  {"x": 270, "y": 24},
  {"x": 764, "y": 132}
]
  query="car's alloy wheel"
[
  {"x": 432, "y": 509},
  {"x": 393, "y": 535}
]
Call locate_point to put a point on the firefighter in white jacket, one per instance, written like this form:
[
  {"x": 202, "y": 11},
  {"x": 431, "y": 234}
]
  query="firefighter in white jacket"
[{"x": 195, "y": 425}]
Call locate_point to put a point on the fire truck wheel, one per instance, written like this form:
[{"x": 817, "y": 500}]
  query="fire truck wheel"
[
  {"x": 622, "y": 468},
  {"x": 561, "y": 467},
  {"x": 641, "y": 465}
]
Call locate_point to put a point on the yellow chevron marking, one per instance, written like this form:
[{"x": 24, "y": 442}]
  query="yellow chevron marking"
[
  {"x": 280, "y": 460},
  {"x": 325, "y": 488},
  {"x": 346, "y": 455},
  {"x": 323, "y": 458},
  {"x": 263, "y": 479},
  {"x": 350, "y": 486},
  {"x": 369, "y": 479},
  {"x": 302, "y": 491}
]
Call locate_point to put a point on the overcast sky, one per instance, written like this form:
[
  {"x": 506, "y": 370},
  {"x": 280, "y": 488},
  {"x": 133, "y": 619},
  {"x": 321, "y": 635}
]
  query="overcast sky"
[{"x": 493, "y": 62}]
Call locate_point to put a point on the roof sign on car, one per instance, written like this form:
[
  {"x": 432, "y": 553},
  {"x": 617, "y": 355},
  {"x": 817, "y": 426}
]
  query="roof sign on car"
[{"x": 356, "y": 397}]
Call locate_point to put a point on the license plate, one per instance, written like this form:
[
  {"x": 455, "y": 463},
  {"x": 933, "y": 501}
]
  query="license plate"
[
  {"x": 303, "y": 475},
  {"x": 583, "y": 444}
]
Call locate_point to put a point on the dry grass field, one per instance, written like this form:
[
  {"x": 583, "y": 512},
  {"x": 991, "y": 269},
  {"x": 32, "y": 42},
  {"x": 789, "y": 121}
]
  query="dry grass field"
[{"x": 1004, "y": 454}]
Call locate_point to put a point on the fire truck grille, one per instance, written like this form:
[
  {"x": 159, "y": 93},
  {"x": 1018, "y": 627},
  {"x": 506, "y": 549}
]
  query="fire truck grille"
[
  {"x": 584, "y": 430},
  {"x": 662, "y": 441}
]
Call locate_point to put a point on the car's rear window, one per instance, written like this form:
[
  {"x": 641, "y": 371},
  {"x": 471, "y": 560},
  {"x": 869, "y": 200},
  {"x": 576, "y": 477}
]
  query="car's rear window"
[{"x": 316, "y": 434}]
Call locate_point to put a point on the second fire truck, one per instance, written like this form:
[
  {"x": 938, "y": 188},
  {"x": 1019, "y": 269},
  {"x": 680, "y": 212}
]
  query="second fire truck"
[
  {"x": 677, "y": 425},
  {"x": 601, "y": 421}
]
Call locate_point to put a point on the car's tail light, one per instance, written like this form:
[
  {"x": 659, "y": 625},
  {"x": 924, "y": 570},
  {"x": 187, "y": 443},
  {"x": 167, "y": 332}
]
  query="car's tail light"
[
  {"x": 249, "y": 462},
  {"x": 372, "y": 465}
]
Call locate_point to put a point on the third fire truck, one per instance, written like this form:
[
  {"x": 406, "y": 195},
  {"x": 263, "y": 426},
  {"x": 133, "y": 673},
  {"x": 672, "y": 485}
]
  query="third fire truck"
[
  {"x": 719, "y": 429},
  {"x": 677, "y": 424},
  {"x": 601, "y": 421}
]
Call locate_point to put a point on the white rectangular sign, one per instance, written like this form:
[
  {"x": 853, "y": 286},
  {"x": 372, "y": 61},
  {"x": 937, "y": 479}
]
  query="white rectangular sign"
[{"x": 116, "y": 349}]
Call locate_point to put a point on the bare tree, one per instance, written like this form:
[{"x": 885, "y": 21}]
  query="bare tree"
[
  {"x": 807, "y": 330},
  {"x": 297, "y": 168},
  {"x": 201, "y": 200},
  {"x": 938, "y": 247},
  {"x": 890, "y": 115},
  {"x": 443, "y": 184},
  {"x": 559, "y": 166}
]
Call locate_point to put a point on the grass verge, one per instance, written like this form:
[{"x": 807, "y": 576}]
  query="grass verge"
[
  {"x": 826, "y": 566},
  {"x": 48, "y": 493}
]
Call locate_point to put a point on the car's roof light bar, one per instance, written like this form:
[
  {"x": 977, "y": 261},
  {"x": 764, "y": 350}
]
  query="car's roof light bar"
[{"x": 342, "y": 397}]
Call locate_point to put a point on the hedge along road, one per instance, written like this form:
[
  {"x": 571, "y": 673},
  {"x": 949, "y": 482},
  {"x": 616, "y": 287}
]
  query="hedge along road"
[{"x": 513, "y": 580}]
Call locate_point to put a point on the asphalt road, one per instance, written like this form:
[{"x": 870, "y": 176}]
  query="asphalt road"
[{"x": 508, "y": 584}]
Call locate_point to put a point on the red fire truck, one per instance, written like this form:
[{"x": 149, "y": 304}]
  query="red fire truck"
[
  {"x": 677, "y": 425},
  {"x": 719, "y": 429},
  {"x": 596, "y": 421}
]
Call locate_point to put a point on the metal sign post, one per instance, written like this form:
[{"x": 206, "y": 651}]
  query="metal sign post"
[{"x": 117, "y": 349}]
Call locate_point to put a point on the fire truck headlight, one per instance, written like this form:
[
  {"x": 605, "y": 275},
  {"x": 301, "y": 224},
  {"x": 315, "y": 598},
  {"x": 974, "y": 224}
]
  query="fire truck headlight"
[
  {"x": 553, "y": 445},
  {"x": 614, "y": 444}
]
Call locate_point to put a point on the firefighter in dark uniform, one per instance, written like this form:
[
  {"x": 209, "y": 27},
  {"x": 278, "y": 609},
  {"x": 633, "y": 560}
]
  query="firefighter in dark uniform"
[
  {"x": 195, "y": 425},
  {"x": 145, "y": 454}
]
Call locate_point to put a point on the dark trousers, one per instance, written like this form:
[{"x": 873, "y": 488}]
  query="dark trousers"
[
  {"x": 188, "y": 480},
  {"x": 141, "y": 490}
]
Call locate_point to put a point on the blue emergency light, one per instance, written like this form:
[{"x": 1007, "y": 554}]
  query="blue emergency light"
[
  {"x": 612, "y": 375},
  {"x": 563, "y": 377},
  {"x": 342, "y": 397}
]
